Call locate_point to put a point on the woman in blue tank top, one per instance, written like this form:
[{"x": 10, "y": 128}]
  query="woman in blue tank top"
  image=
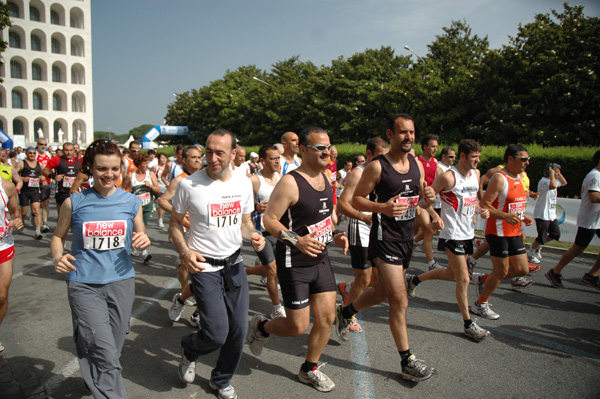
[{"x": 106, "y": 222}]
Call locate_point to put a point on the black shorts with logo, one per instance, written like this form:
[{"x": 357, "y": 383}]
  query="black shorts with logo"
[
  {"x": 392, "y": 252},
  {"x": 29, "y": 195},
  {"x": 457, "y": 247},
  {"x": 504, "y": 247},
  {"x": 299, "y": 283},
  {"x": 585, "y": 236}
]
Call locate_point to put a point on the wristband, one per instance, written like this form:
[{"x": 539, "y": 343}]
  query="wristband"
[
  {"x": 258, "y": 232},
  {"x": 288, "y": 237},
  {"x": 336, "y": 231}
]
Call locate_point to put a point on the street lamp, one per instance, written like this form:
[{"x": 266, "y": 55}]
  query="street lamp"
[
  {"x": 418, "y": 56},
  {"x": 262, "y": 81}
]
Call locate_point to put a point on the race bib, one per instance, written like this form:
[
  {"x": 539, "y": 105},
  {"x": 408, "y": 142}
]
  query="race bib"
[
  {"x": 225, "y": 214},
  {"x": 68, "y": 181},
  {"x": 411, "y": 212},
  {"x": 102, "y": 236},
  {"x": 517, "y": 208},
  {"x": 4, "y": 232},
  {"x": 145, "y": 197},
  {"x": 469, "y": 206},
  {"x": 33, "y": 182},
  {"x": 323, "y": 230}
]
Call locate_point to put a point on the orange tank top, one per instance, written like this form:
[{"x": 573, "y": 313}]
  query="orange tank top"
[{"x": 512, "y": 199}]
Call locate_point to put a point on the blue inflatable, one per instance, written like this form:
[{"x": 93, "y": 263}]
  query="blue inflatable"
[
  {"x": 6, "y": 141},
  {"x": 156, "y": 131}
]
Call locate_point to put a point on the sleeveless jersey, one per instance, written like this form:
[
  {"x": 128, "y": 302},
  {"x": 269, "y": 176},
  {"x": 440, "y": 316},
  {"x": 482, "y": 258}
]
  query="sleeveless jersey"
[
  {"x": 6, "y": 237},
  {"x": 392, "y": 183},
  {"x": 263, "y": 194},
  {"x": 430, "y": 169},
  {"x": 43, "y": 159},
  {"x": 512, "y": 199},
  {"x": 34, "y": 176},
  {"x": 102, "y": 228},
  {"x": 358, "y": 231},
  {"x": 143, "y": 192},
  {"x": 288, "y": 167},
  {"x": 6, "y": 171},
  {"x": 69, "y": 170},
  {"x": 312, "y": 213},
  {"x": 458, "y": 207}
]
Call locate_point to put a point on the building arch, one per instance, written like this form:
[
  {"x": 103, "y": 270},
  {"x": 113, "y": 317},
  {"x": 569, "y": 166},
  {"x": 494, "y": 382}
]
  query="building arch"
[
  {"x": 18, "y": 69},
  {"x": 19, "y": 98},
  {"x": 59, "y": 124},
  {"x": 39, "y": 123},
  {"x": 16, "y": 9},
  {"x": 16, "y": 37},
  {"x": 38, "y": 40},
  {"x": 59, "y": 72},
  {"x": 40, "y": 99},
  {"x": 20, "y": 125},
  {"x": 78, "y": 131},
  {"x": 39, "y": 70},
  {"x": 77, "y": 20},
  {"x": 57, "y": 14},
  {"x": 78, "y": 74},
  {"x": 59, "y": 100},
  {"x": 77, "y": 46},
  {"x": 78, "y": 102}
]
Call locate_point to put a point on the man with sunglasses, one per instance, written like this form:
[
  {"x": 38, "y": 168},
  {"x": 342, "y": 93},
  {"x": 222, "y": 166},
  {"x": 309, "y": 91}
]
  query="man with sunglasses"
[
  {"x": 30, "y": 171},
  {"x": 127, "y": 164},
  {"x": 448, "y": 156},
  {"x": 304, "y": 226},
  {"x": 506, "y": 199},
  {"x": 391, "y": 187},
  {"x": 43, "y": 157}
]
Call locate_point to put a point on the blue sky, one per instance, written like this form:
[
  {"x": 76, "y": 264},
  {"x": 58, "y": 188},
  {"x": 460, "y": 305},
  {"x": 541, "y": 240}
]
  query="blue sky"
[{"x": 146, "y": 50}]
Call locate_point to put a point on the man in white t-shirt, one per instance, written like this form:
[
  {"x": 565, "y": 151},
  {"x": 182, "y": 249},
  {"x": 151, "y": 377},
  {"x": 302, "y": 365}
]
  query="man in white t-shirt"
[
  {"x": 588, "y": 225},
  {"x": 219, "y": 205},
  {"x": 239, "y": 166},
  {"x": 545, "y": 210}
]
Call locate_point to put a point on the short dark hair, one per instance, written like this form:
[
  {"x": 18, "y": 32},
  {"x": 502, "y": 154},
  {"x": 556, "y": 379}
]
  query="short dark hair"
[
  {"x": 225, "y": 132},
  {"x": 262, "y": 151},
  {"x": 185, "y": 151},
  {"x": 596, "y": 158},
  {"x": 375, "y": 142},
  {"x": 102, "y": 147},
  {"x": 305, "y": 133},
  {"x": 134, "y": 142},
  {"x": 549, "y": 166},
  {"x": 140, "y": 158},
  {"x": 466, "y": 146},
  {"x": 427, "y": 138},
  {"x": 152, "y": 151},
  {"x": 392, "y": 120},
  {"x": 446, "y": 150},
  {"x": 511, "y": 151}
]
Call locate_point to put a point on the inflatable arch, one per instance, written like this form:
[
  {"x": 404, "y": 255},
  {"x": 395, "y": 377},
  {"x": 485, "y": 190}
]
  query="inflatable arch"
[
  {"x": 156, "y": 131},
  {"x": 6, "y": 141}
]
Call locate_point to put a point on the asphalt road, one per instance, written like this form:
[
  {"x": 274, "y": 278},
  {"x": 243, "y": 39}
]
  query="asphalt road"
[{"x": 545, "y": 344}]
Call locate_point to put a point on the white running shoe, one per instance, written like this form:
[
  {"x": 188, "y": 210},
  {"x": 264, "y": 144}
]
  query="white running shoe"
[
  {"x": 175, "y": 309},
  {"x": 186, "y": 369},
  {"x": 195, "y": 319},
  {"x": 255, "y": 339},
  {"x": 484, "y": 310},
  {"x": 476, "y": 332},
  {"x": 161, "y": 224},
  {"x": 224, "y": 393},
  {"x": 279, "y": 312},
  {"x": 317, "y": 378}
]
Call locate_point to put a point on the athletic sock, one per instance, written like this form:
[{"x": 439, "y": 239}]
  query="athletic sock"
[
  {"x": 404, "y": 355},
  {"x": 468, "y": 323},
  {"x": 261, "y": 329},
  {"x": 416, "y": 281},
  {"x": 308, "y": 366},
  {"x": 431, "y": 262},
  {"x": 348, "y": 312},
  {"x": 482, "y": 300},
  {"x": 277, "y": 307},
  {"x": 180, "y": 301},
  {"x": 348, "y": 286}
]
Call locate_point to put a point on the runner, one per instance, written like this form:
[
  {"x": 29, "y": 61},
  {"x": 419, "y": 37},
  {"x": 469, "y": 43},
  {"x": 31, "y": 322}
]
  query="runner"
[
  {"x": 158, "y": 171},
  {"x": 63, "y": 170},
  {"x": 43, "y": 157},
  {"x": 545, "y": 210},
  {"x": 505, "y": 198},
  {"x": 219, "y": 204},
  {"x": 588, "y": 225},
  {"x": 239, "y": 165},
  {"x": 9, "y": 204},
  {"x": 304, "y": 226},
  {"x": 263, "y": 183},
  {"x": 458, "y": 188},
  {"x": 106, "y": 222},
  {"x": 8, "y": 171},
  {"x": 30, "y": 169},
  {"x": 289, "y": 158},
  {"x": 142, "y": 183},
  {"x": 191, "y": 161},
  {"x": 396, "y": 185},
  {"x": 173, "y": 167},
  {"x": 357, "y": 230},
  {"x": 448, "y": 156}
]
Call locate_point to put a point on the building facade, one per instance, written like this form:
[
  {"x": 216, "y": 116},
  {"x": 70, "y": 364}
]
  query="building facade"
[{"x": 47, "y": 72}]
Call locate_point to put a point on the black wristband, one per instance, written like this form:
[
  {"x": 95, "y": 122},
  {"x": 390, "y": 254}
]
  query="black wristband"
[{"x": 288, "y": 237}]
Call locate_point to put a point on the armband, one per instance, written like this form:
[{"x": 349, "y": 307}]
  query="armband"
[
  {"x": 288, "y": 237},
  {"x": 336, "y": 231}
]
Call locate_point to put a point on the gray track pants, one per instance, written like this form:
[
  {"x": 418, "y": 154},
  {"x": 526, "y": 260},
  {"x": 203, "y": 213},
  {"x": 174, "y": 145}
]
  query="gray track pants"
[
  {"x": 223, "y": 321},
  {"x": 101, "y": 315}
]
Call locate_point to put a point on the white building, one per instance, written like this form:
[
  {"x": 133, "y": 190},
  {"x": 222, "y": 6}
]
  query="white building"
[{"x": 47, "y": 72}]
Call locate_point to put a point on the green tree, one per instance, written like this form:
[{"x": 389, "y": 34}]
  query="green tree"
[{"x": 4, "y": 23}]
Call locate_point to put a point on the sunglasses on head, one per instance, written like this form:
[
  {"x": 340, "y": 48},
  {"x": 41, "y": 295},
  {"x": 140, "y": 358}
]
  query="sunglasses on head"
[{"x": 319, "y": 147}]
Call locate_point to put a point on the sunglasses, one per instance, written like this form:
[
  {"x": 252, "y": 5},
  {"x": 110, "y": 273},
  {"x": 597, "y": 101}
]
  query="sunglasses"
[
  {"x": 360, "y": 161},
  {"x": 134, "y": 150},
  {"x": 523, "y": 159},
  {"x": 320, "y": 147},
  {"x": 451, "y": 156}
]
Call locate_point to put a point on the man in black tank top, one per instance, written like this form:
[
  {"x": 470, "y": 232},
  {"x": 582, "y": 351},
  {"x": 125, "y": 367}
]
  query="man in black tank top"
[
  {"x": 299, "y": 214},
  {"x": 29, "y": 169},
  {"x": 396, "y": 185},
  {"x": 63, "y": 170}
]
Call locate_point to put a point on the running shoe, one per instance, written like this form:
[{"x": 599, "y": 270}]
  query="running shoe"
[
  {"x": 195, "y": 319},
  {"x": 532, "y": 258},
  {"x": 436, "y": 265},
  {"x": 38, "y": 234},
  {"x": 555, "y": 279},
  {"x": 416, "y": 370},
  {"x": 176, "y": 308},
  {"x": 534, "y": 267},
  {"x": 354, "y": 326},
  {"x": 410, "y": 286},
  {"x": 224, "y": 393},
  {"x": 147, "y": 257},
  {"x": 341, "y": 287},
  {"x": 476, "y": 332},
  {"x": 484, "y": 310},
  {"x": 45, "y": 228},
  {"x": 279, "y": 312},
  {"x": 518, "y": 283},
  {"x": 186, "y": 369},
  {"x": 317, "y": 378},
  {"x": 341, "y": 324},
  {"x": 590, "y": 280},
  {"x": 538, "y": 253},
  {"x": 255, "y": 339},
  {"x": 191, "y": 301},
  {"x": 161, "y": 224},
  {"x": 478, "y": 277}
]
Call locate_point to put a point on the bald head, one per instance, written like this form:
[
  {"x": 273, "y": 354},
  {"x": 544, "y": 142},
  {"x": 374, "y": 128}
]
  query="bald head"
[{"x": 290, "y": 144}]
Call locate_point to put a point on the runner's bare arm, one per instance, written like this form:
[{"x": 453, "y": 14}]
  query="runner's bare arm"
[
  {"x": 189, "y": 258},
  {"x": 165, "y": 200},
  {"x": 139, "y": 238},
  {"x": 250, "y": 233},
  {"x": 62, "y": 263},
  {"x": 346, "y": 197}
]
